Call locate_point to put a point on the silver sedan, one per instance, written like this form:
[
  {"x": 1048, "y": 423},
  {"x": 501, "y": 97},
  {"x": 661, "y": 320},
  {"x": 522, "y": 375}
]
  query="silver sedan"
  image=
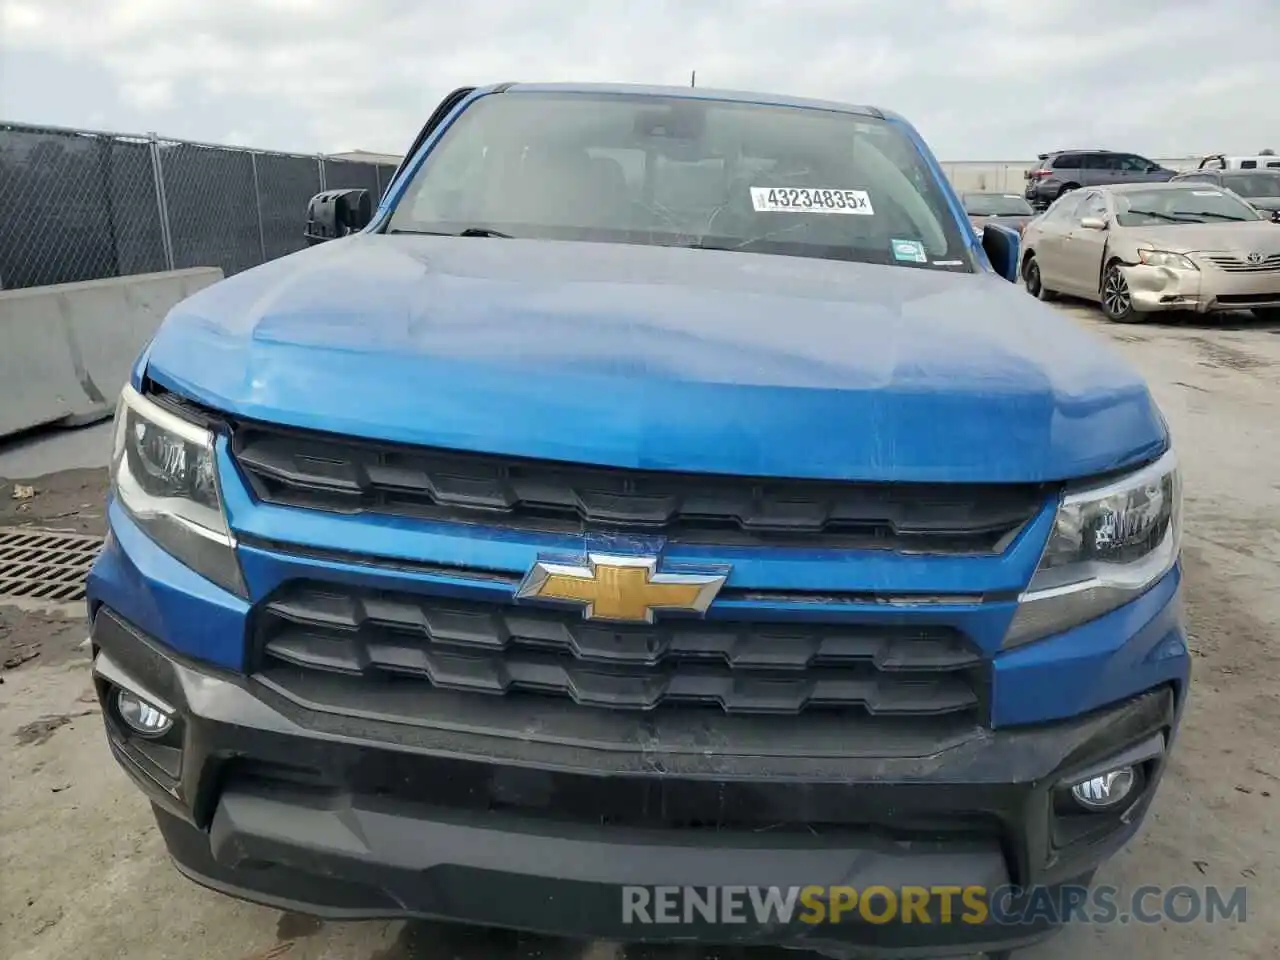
[{"x": 1141, "y": 248}]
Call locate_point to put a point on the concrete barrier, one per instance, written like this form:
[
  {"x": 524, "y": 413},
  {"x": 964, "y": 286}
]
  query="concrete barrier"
[{"x": 66, "y": 350}]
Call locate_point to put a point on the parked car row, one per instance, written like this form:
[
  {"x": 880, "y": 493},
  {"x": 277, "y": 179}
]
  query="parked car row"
[
  {"x": 1190, "y": 243},
  {"x": 1062, "y": 171}
]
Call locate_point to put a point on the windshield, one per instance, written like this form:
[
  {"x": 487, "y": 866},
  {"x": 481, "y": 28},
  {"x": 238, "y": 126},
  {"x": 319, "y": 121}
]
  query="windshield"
[
  {"x": 624, "y": 168},
  {"x": 996, "y": 205},
  {"x": 1254, "y": 184},
  {"x": 1192, "y": 204}
]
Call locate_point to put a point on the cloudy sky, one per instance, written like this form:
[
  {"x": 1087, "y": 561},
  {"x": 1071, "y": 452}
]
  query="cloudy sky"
[{"x": 983, "y": 79}]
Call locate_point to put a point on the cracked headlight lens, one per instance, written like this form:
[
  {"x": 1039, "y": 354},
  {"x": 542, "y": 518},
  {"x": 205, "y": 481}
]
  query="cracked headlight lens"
[
  {"x": 1109, "y": 544},
  {"x": 164, "y": 475},
  {"x": 1162, "y": 258}
]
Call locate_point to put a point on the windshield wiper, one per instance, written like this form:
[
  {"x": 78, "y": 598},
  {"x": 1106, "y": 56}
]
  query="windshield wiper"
[
  {"x": 483, "y": 232},
  {"x": 1155, "y": 213},
  {"x": 468, "y": 232},
  {"x": 1191, "y": 217},
  {"x": 1216, "y": 216}
]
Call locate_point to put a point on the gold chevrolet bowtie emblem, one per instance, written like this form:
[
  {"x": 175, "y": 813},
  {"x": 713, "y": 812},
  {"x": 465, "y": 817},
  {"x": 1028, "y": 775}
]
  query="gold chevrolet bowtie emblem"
[{"x": 620, "y": 588}]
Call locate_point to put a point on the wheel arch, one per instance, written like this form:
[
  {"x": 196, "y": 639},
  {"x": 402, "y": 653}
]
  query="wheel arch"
[{"x": 1109, "y": 260}]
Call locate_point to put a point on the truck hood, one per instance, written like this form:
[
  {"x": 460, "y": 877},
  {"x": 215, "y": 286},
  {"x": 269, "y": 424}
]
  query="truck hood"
[{"x": 662, "y": 358}]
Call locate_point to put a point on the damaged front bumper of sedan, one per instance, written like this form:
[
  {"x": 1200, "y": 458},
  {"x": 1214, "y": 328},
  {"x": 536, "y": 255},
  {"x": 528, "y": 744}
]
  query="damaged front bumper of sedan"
[{"x": 1204, "y": 283}]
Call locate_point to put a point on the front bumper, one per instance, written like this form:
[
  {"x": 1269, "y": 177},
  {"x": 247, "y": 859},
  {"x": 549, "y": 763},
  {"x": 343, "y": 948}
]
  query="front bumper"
[
  {"x": 363, "y": 818},
  {"x": 1207, "y": 290}
]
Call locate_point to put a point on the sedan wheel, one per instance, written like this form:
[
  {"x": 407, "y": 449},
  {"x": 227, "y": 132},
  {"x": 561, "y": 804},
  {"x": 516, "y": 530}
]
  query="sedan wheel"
[
  {"x": 1031, "y": 279},
  {"x": 1117, "y": 303}
]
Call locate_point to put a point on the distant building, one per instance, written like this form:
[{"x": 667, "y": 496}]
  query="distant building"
[{"x": 367, "y": 156}]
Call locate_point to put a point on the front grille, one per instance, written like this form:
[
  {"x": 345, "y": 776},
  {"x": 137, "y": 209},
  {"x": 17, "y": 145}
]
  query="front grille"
[
  {"x": 316, "y": 471},
  {"x": 1233, "y": 264},
  {"x": 505, "y": 651}
]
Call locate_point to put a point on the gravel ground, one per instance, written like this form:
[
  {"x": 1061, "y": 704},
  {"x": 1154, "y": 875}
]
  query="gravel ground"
[{"x": 85, "y": 874}]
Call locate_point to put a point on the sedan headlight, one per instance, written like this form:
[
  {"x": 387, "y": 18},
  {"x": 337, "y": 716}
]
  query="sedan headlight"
[
  {"x": 1163, "y": 258},
  {"x": 1109, "y": 544},
  {"x": 164, "y": 475}
]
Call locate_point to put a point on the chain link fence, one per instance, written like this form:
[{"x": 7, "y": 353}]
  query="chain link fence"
[{"x": 83, "y": 205}]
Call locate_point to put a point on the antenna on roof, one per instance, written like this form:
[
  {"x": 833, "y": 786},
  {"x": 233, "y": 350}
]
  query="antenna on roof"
[{"x": 693, "y": 79}]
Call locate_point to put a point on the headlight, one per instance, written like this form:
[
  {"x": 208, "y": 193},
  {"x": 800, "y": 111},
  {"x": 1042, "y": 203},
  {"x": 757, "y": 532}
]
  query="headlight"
[
  {"x": 163, "y": 473},
  {"x": 1163, "y": 258},
  {"x": 1109, "y": 544}
]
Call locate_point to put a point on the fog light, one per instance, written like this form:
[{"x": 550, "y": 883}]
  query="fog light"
[
  {"x": 1106, "y": 790},
  {"x": 141, "y": 716}
]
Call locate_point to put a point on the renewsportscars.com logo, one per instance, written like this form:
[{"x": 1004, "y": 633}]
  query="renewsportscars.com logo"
[{"x": 931, "y": 905}]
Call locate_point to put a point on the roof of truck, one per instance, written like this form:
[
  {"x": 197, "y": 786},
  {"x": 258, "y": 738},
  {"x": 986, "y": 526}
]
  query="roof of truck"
[{"x": 700, "y": 93}]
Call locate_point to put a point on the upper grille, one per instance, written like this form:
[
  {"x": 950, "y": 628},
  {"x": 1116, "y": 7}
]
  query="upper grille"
[
  {"x": 312, "y": 470},
  {"x": 495, "y": 649},
  {"x": 1233, "y": 264}
]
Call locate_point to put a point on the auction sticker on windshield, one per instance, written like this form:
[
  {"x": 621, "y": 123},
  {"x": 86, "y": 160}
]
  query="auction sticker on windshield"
[{"x": 811, "y": 200}]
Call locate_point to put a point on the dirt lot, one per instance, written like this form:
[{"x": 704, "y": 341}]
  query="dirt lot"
[{"x": 84, "y": 874}]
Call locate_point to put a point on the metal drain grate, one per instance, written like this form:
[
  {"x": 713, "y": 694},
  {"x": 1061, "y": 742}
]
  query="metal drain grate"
[{"x": 45, "y": 564}]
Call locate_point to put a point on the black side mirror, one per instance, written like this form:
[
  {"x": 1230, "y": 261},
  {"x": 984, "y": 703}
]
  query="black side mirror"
[
  {"x": 336, "y": 213},
  {"x": 1275, "y": 216},
  {"x": 1003, "y": 246}
]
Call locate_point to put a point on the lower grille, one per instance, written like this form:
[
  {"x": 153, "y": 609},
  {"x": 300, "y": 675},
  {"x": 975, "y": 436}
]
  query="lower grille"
[
  {"x": 503, "y": 651},
  {"x": 834, "y": 809},
  {"x": 1245, "y": 299}
]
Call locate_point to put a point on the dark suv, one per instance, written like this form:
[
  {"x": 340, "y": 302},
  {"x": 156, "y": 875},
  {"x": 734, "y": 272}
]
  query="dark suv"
[{"x": 1065, "y": 170}]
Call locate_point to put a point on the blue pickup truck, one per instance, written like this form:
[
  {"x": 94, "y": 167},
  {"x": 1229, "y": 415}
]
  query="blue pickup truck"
[{"x": 661, "y": 497}]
